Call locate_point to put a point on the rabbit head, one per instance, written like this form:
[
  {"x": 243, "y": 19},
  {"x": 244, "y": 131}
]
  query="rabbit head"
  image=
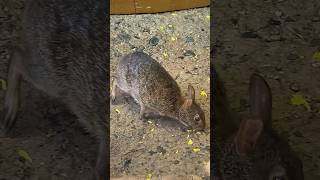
[
  {"x": 255, "y": 151},
  {"x": 190, "y": 114}
]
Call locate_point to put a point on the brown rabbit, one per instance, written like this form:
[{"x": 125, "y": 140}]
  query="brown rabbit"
[
  {"x": 157, "y": 93},
  {"x": 62, "y": 52},
  {"x": 253, "y": 150}
]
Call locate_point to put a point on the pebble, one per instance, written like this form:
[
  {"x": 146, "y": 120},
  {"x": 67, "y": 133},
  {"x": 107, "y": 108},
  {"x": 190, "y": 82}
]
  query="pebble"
[
  {"x": 189, "y": 39},
  {"x": 278, "y": 13},
  {"x": 294, "y": 87},
  {"x": 315, "y": 64},
  {"x": 154, "y": 41},
  {"x": 189, "y": 53}
]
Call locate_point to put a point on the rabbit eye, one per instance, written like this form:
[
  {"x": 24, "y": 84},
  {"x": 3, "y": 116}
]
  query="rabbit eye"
[{"x": 197, "y": 117}]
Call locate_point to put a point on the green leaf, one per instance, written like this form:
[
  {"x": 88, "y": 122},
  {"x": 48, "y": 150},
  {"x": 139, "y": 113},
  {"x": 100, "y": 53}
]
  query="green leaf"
[
  {"x": 299, "y": 100},
  {"x": 23, "y": 154},
  {"x": 316, "y": 56}
]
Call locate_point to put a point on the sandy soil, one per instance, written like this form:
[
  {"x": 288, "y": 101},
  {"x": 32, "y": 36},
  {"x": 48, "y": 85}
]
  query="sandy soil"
[
  {"x": 180, "y": 42},
  {"x": 276, "y": 38}
]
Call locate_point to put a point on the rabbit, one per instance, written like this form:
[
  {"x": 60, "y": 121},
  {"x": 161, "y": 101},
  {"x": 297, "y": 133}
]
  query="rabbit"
[
  {"x": 157, "y": 93},
  {"x": 62, "y": 52},
  {"x": 251, "y": 149}
]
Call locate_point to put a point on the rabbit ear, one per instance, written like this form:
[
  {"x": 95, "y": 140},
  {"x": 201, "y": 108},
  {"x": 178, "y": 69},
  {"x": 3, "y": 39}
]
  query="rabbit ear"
[
  {"x": 189, "y": 99},
  {"x": 248, "y": 135},
  {"x": 260, "y": 99},
  {"x": 191, "y": 93}
]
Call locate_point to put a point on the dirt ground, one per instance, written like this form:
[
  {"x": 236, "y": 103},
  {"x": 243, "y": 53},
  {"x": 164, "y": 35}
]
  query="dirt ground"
[
  {"x": 180, "y": 42},
  {"x": 278, "y": 39}
]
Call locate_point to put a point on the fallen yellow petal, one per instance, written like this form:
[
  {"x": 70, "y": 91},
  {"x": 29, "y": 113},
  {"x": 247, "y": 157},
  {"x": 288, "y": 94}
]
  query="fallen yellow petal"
[
  {"x": 165, "y": 54},
  {"x": 173, "y": 38},
  {"x": 170, "y": 26},
  {"x": 149, "y": 176},
  {"x": 3, "y": 84},
  {"x": 24, "y": 155},
  {"x": 195, "y": 150},
  {"x": 177, "y": 151},
  {"x": 173, "y": 14},
  {"x": 118, "y": 111},
  {"x": 152, "y": 129},
  {"x": 150, "y": 122},
  {"x": 190, "y": 142},
  {"x": 208, "y": 17},
  {"x": 203, "y": 93},
  {"x": 299, "y": 100}
]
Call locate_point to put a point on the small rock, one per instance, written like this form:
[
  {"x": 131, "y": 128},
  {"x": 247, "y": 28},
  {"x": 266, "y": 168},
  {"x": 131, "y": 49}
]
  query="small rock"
[
  {"x": 292, "y": 56},
  {"x": 126, "y": 163},
  {"x": 315, "y": 64},
  {"x": 278, "y": 67},
  {"x": 161, "y": 150},
  {"x": 294, "y": 87},
  {"x": 154, "y": 41},
  {"x": 278, "y": 13},
  {"x": 152, "y": 152},
  {"x": 189, "y": 39},
  {"x": 189, "y": 53}
]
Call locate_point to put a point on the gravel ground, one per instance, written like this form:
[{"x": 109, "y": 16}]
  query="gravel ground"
[
  {"x": 180, "y": 42},
  {"x": 278, "y": 39}
]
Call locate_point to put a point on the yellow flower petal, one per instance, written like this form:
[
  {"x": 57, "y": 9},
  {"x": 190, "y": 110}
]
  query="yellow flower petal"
[
  {"x": 149, "y": 176},
  {"x": 3, "y": 84},
  {"x": 173, "y": 14},
  {"x": 152, "y": 129},
  {"x": 118, "y": 111},
  {"x": 190, "y": 142},
  {"x": 208, "y": 17},
  {"x": 173, "y": 38},
  {"x": 165, "y": 54},
  {"x": 177, "y": 151},
  {"x": 161, "y": 28},
  {"x": 316, "y": 56},
  {"x": 23, "y": 154},
  {"x": 299, "y": 100},
  {"x": 203, "y": 93},
  {"x": 195, "y": 150}
]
